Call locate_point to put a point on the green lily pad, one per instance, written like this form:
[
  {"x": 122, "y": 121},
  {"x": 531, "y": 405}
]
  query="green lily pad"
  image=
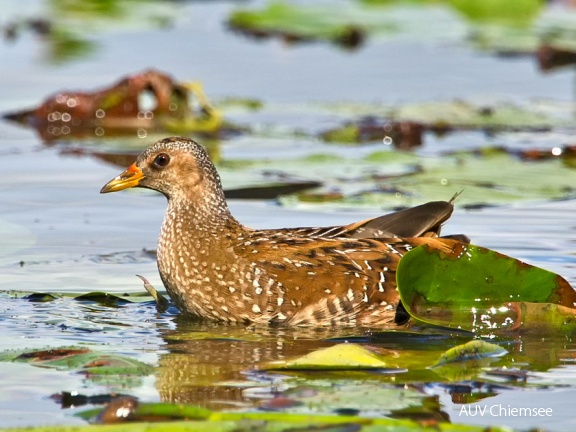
[
  {"x": 472, "y": 288},
  {"x": 81, "y": 359},
  {"x": 511, "y": 12},
  {"x": 391, "y": 179},
  {"x": 467, "y": 361},
  {"x": 95, "y": 296},
  {"x": 73, "y": 20},
  {"x": 473, "y": 350},
  {"x": 41, "y": 297},
  {"x": 348, "y": 24},
  {"x": 361, "y": 397},
  {"x": 344, "y": 356},
  {"x": 344, "y": 25},
  {"x": 391, "y": 184},
  {"x": 545, "y": 318},
  {"x": 517, "y": 26},
  {"x": 200, "y": 419},
  {"x": 496, "y": 27},
  {"x": 466, "y": 115},
  {"x": 262, "y": 423},
  {"x": 117, "y": 372}
]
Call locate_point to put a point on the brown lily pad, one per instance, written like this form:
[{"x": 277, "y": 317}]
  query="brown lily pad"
[{"x": 147, "y": 101}]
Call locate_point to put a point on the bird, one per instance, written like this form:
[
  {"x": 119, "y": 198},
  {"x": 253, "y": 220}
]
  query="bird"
[{"x": 215, "y": 268}]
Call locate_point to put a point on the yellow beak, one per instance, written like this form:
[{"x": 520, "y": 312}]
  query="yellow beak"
[{"x": 129, "y": 178}]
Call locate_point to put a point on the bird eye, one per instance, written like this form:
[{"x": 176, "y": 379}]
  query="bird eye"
[{"x": 161, "y": 160}]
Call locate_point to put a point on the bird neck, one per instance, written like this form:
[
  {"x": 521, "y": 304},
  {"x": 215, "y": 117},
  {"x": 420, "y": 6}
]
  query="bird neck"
[
  {"x": 196, "y": 239},
  {"x": 206, "y": 215}
]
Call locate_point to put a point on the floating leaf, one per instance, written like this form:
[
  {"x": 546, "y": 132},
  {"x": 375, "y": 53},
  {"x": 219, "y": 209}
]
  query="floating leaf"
[
  {"x": 349, "y": 397},
  {"x": 473, "y": 350},
  {"x": 458, "y": 114},
  {"x": 517, "y": 26},
  {"x": 109, "y": 299},
  {"x": 544, "y": 317},
  {"x": 150, "y": 100},
  {"x": 102, "y": 298},
  {"x": 472, "y": 288},
  {"x": 345, "y": 26},
  {"x": 270, "y": 191},
  {"x": 74, "y": 399},
  {"x": 401, "y": 134},
  {"x": 387, "y": 179},
  {"x": 512, "y": 374},
  {"x": 42, "y": 356},
  {"x": 81, "y": 359},
  {"x": 41, "y": 297},
  {"x": 200, "y": 419},
  {"x": 467, "y": 361},
  {"x": 67, "y": 27},
  {"x": 128, "y": 409},
  {"x": 395, "y": 337},
  {"x": 511, "y": 12},
  {"x": 404, "y": 125},
  {"x": 344, "y": 356}
]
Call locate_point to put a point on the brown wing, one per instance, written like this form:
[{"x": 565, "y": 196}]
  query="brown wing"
[
  {"x": 425, "y": 219},
  {"x": 412, "y": 222},
  {"x": 311, "y": 281}
]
